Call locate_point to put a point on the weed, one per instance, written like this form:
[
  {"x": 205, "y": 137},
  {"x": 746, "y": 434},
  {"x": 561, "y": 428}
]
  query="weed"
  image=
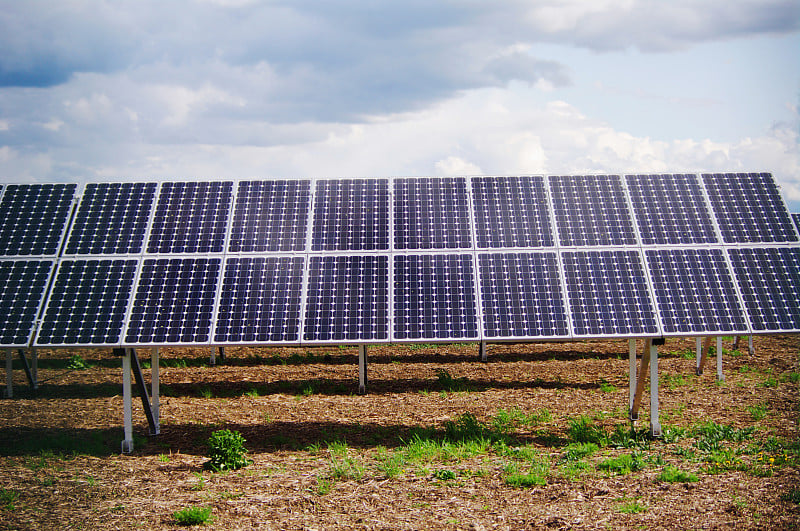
[
  {"x": 201, "y": 482},
  {"x": 539, "y": 416},
  {"x": 163, "y": 458},
  {"x": 606, "y": 387},
  {"x": 536, "y": 475},
  {"x": 628, "y": 437},
  {"x": 622, "y": 464},
  {"x": 583, "y": 430},
  {"x": 77, "y": 363},
  {"x": 193, "y": 516},
  {"x": 672, "y": 434},
  {"x": 8, "y": 498},
  {"x": 341, "y": 465},
  {"x": 324, "y": 486},
  {"x": 444, "y": 474},
  {"x": 770, "y": 382},
  {"x": 448, "y": 383},
  {"x": 466, "y": 427},
  {"x": 793, "y": 377},
  {"x": 757, "y": 412},
  {"x": 670, "y": 474},
  {"x": 252, "y": 392},
  {"x": 226, "y": 451},
  {"x": 631, "y": 507},
  {"x": 792, "y": 496},
  {"x": 420, "y": 346},
  {"x": 206, "y": 392},
  {"x": 390, "y": 464},
  {"x": 577, "y": 451},
  {"x": 671, "y": 381}
]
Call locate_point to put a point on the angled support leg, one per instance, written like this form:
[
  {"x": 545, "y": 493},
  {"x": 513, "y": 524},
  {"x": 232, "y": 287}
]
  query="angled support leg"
[
  {"x": 720, "y": 376},
  {"x": 155, "y": 390},
  {"x": 27, "y": 368},
  {"x": 482, "y": 350},
  {"x": 127, "y": 415},
  {"x": 362, "y": 369},
  {"x": 222, "y": 354},
  {"x": 704, "y": 355},
  {"x": 637, "y": 396},
  {"x": 146, "y": 404},
  {"x": 631, "y": 375},
  {"x": 35, "y": 368},
  {"x": 655, "y": 425},
  {"x": 9, "y": 374}
]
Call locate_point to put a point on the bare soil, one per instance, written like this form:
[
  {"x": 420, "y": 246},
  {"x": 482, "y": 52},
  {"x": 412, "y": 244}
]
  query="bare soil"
[{"x": 61, "y": 468}]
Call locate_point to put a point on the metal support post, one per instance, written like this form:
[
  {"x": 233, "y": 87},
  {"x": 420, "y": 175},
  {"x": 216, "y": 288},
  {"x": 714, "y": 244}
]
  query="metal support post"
[
  {"x": 35, "y": 368},
  {"x": 146, "y": 405},
  {"x": 720, "y": 376},
  {"x": 213, "y": 358},
  {"x": 155, "y": 384},
  {"x": 701, "y": 363},
  {"x": 637, "y": 396},
  {"x": 655, "y": 425},
  {"x": 127, "y": 415},
  {"x": 631, "y": 373},
  {"x": 482, "y": 350},
  {"x": 750, "y": 345},
  {"x": 362, "y": 369},
  {"x": 699, "y": 356},
  {"x": 9, "y": 374},
  {"x": 222, "y": 354},
  {"x": 27, "y": 368}
]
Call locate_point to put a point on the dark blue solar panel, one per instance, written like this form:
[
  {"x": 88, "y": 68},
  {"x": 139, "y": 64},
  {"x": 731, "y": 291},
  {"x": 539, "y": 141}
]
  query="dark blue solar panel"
[
  {"x": 174, "y": 301},
  {"x": 749, "y": 208},
  {"x": 112, "y": 219},
  {"x": 260, "y": 300},
  {"x": 521, "y": 295},
  {"x": 695, "y": 292},
  {"x": 22, "y": 287},
  {"x": 431, "y": 213},
  {"x": 33, "y": 218},
  {"x": 511, "y": 212},
  {"x": 608, "y": 293},
  {"x": 591, "y": 210},
  {"x": 670, "y": 209},
  {"x": 87, "y": 302},
  {"x": 270, "y": 216},
  {"x": 351, "y": 215},
  {"x": 434, "y": 297},
  {"x": 769, "y": 281},
  {"x": 796, "y": 218},
  {"x": 347, "y": 298},
  {"x": 191, "y": 217}
]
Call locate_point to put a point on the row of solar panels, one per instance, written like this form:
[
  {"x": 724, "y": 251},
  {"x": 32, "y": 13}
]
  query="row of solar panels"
[
  {"x": 388, "y": 290},
  {"x": 402, "y": 297},
  {"x": 401, "y": 214}
]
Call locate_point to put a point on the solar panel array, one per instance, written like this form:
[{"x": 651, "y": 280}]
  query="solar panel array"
[{"x": 402, "y": 259}]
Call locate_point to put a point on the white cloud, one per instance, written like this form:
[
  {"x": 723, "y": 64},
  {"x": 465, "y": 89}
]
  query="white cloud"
[{"x": 455, "y": 166}]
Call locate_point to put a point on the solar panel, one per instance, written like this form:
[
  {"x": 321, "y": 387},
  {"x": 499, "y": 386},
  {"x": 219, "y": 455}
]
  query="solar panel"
[
  {"x": 431, "y": 213},
  {"x": 796, "y": 218},
  {"x": 33, "y": 218},
  {"x": 191, "y": 217},
  {"x": 695, "y": 292},
  {"x": 347, "y": 298},
  {"x": 608, "y": 293},
  {"x": 434, "y": 297},
  {"x": 769, "y": 281},
  {"x": 591, "y": 210},
  {"x": 511, "y": 212},
  {"x": 174, "y": 301},
  {"x": 351, "y": 215},
  {"x": 270, "y": 216},
  {"x": 749, "y": 208},
  {"x": 111, "y": 219},
  {"x": 521, "y": 296},
  {"x": 260, "y": 300},
  {"x": 87, "y": 302},
  {"x": 22, "y": 287},
  {"x": 670, "y": 209}
]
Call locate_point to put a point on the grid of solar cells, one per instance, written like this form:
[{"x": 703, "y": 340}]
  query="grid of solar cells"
[
  {"x": 749, "y": 208},
  {"x": 351, "y": 215},
  {"x": 695, "y": 292},
  {"x": 191, "y": 217},
  {"x": 431, "y": 213},
  {"x": 111, "y": 219},
  {"x": 670, "y": 209},
  {"x": 260, "y": 300},
  {"x": 174, "y": 301},
  {"x": 347, "y": 298},
  {"x": 591, "y": 210},
  {"x": 87, "y": 302},
  {"x": 33, "y": 218},
  {"x": 511, "y": 212},
  {"x": 769, "y": 281},
  {"x": 434, "y": 297},
  {"x": 270, "y": 216},
  {"x": 521, "y": 295},
  {"x": 22, "y": 286},
  {"x": 796, "y": 218},
  {"x": 608, "y": 293}
]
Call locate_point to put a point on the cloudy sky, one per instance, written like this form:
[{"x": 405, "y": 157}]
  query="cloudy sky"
[{"x": 117, "y": 90}]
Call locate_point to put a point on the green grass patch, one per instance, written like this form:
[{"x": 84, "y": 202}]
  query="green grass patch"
[
  {"x": 193, "y": 516},
  {"x": 606, "y": 387},
  {"x": 622, "y": 464},
  {"x": 534, "y": 475},
  {"x": 757, "y": 412},
  {"x": 584, "y": 430},
  {"x": 793, "y": 496},
  {"x": 577, "y": 451},
  {"x": 77, "y": 363},
  {"x": 670, "y": 474},
  {"x": 8, "y": 499},
  {"x": 448, "y": 383},
  {"x": 631, "y": 507}
]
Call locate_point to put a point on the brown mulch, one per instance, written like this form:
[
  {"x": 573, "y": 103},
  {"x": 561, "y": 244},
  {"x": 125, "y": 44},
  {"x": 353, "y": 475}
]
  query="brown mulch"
[{"x": 60, "y": 466}]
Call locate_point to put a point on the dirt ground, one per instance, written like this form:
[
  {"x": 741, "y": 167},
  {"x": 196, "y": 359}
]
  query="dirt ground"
[{"x": 439, "y": 442}]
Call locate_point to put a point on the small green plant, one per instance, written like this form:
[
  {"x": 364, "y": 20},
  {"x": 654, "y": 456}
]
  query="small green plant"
[
  {"x": 324, "y": 486},
  {"x": 631, "y": 507},
  {"x": 583, "y": 430},
  {"x": 792, "y": 496},
  {"x": 193, "y": 516},
  {"x": 206, "y": 392},
  {"x": 163, "y": 458},
  {"x": 341, "y": 465},
  {"x": 444, "y": 474},
  {"x": 77, "y": 363},
  {"x": 8, "y": 499},
  {"x": 793, "y": 377},
  {"x": 622, "y": 464},
  {"x": 770, "y": 382},
  {"x": 670, "y": 474},
  {"x": 448, "y": 383},
  {"x": 201, "y": 482},
  {"x": 671, "y": 381},
  {"x": 536, "y": 475},
  {"x": 606, "y": 387},
  {"x": 577, "y": 451},
  {"x": 226, "y": 451},
  {"x": 390, "y": 464},
  {"x": 252, "y": 392},
  {"x": 757, "y": 412}
]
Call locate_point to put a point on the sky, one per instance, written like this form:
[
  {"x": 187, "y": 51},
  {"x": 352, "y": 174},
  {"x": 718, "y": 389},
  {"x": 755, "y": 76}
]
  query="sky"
[{"x": 196, "y": 89}]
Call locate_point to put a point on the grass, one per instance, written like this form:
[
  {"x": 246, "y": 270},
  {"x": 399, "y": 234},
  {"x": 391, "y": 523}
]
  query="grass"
[
  {"x": 341, "y": 465},
  {"x": 583, "y": 430},
  {"x": 77, "y": 363},
  {"x": 631, "y": 506},
  {"x": 606, "y": 387},
  {"x": 757, "y": 412},
  {"x": 446, "y": 381},
  {"x": 193, "y": 516},
  {"x": 8, "y": 499},
  {"x": 671, "y": 474},
  {"x": 577, "y": 451},
  {"x": 622, "y": 464},
  {"x": 535, "y": 475}
]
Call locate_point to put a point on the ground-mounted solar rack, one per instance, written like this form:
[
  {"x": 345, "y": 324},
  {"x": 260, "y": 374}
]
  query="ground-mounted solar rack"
[{"x": 362, "y": 261}]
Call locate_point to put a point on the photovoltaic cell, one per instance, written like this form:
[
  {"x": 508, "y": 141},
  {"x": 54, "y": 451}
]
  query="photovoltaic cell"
[
  {"x": 191, "y": 217},
  {"x": 511, "y": 212},
  {"x": 695, "y": 292},
  {"x": 260, "y": 300},
  {"x": 749, "y": 208},
  {"x": 174, "y": 301},
  {"x": 769, "y": 281},
  {"x": 270, "y": 216},
  {"x": 347, "y": 298},
  {"x": 33, "y": 218},
  {"x": 434, "y": 297},
  {"x": 111, "y": 219},
  {"x": 22, "y": 286},
  {"x": 608, "y": 293},
  {"x": 521, "y": 295},
  {"x": 87, "y": 302},
  {"x": 591, "y": 210},
  {"x": 351, "y": 215},
  {"x": 670, "y": 209},
  {"x": 431, "y": 213},
  {"x": 796, "y": 218}
]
